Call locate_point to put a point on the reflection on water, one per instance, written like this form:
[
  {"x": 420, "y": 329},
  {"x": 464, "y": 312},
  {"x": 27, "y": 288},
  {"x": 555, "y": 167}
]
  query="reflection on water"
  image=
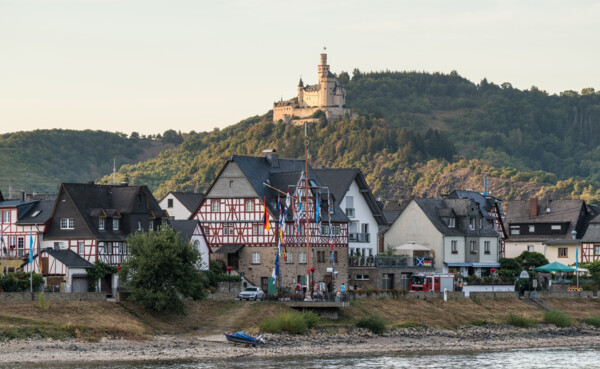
[{"x": 581, "y": 357}]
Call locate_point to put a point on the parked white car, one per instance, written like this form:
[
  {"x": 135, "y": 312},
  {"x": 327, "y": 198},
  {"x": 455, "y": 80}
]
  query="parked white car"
[{"x": 252, "y": 293}]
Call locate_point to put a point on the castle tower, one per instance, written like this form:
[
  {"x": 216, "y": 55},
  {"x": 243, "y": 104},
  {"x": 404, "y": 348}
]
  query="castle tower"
[
  {"x": 326, "y": 90},
  {"x": 301, "y": 94}
]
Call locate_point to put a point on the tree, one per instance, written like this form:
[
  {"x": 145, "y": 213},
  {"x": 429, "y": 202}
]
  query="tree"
[
  {"x": 160, "y": 269},
  {"x": 531, "y": 260}
]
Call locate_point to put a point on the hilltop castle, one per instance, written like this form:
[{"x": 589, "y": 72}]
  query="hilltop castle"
[{"x": 328, "y": 96}]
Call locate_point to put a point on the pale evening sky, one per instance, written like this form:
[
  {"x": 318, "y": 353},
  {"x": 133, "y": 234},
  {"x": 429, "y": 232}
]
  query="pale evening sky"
[{"x": 153, "y": 65}]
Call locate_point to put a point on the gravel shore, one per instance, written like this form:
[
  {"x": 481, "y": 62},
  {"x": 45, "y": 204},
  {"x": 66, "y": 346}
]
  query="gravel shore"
[{"x": 335, "y": 341}]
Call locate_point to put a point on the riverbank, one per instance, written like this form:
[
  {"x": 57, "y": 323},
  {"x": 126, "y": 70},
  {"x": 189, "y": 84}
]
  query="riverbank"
[{"x": 323, "y": 341}]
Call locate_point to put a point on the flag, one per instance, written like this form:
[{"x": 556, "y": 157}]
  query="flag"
[
  {"x": 332, "y": 264},
  {"x": 331, "y": 237},
  {"x": 30, "y": 247},
  {"x": 288, "y": 200},
  {"x": 576, "y": 259},
  {"x": 317, "y": 209},
  {"x": 2, "y": 241},
  {"x": 276, "y": 269},
  {"x": 266, "y": 219}
]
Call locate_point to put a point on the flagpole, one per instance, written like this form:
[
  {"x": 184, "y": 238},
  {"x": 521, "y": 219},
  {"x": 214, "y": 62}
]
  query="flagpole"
[{"x": 306, "y": 210}]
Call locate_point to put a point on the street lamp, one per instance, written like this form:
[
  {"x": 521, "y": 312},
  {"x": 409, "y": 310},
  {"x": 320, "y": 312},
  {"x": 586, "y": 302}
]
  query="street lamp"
[{"x": 229, "y": 279}]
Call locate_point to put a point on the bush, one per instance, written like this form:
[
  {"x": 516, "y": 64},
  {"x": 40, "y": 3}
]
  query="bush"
[
  {"x": 19, "y": 282},
  {"x": 310, "y": 318},
  {"x": 294, "y": 322},
  {"x": 558, "y": 318},
  {"x": 374, "y": 323},
  {"x": 519, "y": 321},
  {"x": 595, "y": 321},
  {"x": 409, "y": 324}
]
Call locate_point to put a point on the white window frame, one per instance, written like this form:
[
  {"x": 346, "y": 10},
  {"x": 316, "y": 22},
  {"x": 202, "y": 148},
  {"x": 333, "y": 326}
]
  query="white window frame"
[
  {"x": 151, "y": 225},
  {"x": 20, "y": 246},
  {"x": 81, "y": 248},
  {"x": 67, "y": 223},
  {"x": 596, "y": 249},
  {"x": 256, "y": 258},
  {"x": 451, "y": 222},
  {"x": 473, "y": 247},
  {"x": 139, "y": 225},
  {"x": 7, "y": 216},
  {"x": 101, "y": 222},
  {"x": 215, "y": 206},
  {"x": 531, "y": 228},
  {"x": 109, "y": 248},
  {"x": 289, "y": 258},
  {"x": 115, "y": 224},
  {"x": 249, "y": 206},
  {"x": 472, "y": 223},
  {"x": 530, "y": 248},
  {"x": 486, "y": 247},
  {"x": 302, "y": 257},
  {"x": 454, "y": 247},
  {"x": 515, "y": 230}
]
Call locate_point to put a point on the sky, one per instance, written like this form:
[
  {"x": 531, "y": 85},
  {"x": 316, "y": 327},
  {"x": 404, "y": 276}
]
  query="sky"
[{"x": 152, "y": 65}]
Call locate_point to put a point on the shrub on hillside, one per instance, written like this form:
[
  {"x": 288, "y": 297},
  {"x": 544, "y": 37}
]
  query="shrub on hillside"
[
  {"x": 293, "y": 322},
  {"x": 558, "y": 318},
  {"x": 519, "y": 321},
  {"x": 374, "y": 323},
  {"x": 595, "y": 321},
  {"x": 311, "y": 318}
]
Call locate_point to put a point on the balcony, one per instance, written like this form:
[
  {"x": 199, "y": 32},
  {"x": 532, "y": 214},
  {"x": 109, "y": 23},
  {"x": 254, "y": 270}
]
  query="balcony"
[
  {"x": 359, "y": 237},
  {"x": 391, "y": 262}
]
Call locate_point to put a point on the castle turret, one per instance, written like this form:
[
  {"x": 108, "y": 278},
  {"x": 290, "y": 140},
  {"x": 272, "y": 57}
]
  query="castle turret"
[
  {"x": 301, "y": 94},
  {"x": 326, "y": 83}
]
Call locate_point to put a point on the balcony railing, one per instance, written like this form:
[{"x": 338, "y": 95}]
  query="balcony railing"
[
  {"x": 359, "y": 237},
  {"x": 391, "y": 262}
]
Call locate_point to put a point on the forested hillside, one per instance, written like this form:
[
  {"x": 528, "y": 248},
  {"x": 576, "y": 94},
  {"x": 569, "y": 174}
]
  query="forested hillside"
[{"x": 40, "y": 160}]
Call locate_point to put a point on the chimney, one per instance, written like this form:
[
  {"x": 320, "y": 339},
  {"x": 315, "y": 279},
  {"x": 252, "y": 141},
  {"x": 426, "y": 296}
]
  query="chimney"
[
  {"x": 533, "y": 206},
  {"x": 271, "y": 156},
  {"x": 22, "y": 196}
]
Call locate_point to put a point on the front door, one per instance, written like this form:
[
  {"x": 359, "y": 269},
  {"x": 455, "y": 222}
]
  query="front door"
[{"x": 106, "y": 285}]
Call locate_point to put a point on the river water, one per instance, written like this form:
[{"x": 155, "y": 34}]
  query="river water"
[{"x": 578, "y": 357}]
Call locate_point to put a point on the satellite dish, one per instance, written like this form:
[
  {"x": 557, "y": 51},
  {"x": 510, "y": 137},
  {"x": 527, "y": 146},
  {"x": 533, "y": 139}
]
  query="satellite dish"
[{"x": 524, "y": 274}]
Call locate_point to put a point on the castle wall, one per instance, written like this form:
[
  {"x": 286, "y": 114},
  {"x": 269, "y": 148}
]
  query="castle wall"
[{"x": 312, "y": 98}]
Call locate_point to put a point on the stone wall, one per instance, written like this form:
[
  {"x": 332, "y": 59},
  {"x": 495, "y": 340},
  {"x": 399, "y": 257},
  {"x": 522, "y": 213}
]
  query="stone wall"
[
  {"x": 223, "y": 292},
  {"x": 496, "y": 294},
  {"x": 563, "y": 295},
  {"x": 54, "y": 296}
]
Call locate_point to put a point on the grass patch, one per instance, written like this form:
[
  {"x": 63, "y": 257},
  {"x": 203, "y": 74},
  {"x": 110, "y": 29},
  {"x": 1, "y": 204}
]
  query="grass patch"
[
  {"x": 479, "y": 322},
  {"x": 410, "y": 324},
  {"x": 558, "y": 318},
  {"x": 595, "y": 321},
  {"x": 519, "y": 321},
  {"x": 476, "y": 300},
  {"x": 294, "y": 322},
  {"x": 374, "y": 323}
]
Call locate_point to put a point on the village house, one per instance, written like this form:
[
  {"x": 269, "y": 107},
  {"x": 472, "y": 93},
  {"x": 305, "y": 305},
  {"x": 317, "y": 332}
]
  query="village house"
[
  {"x": 553, "y": 228},
  {"x": 181, "y": 205},
  {"x": 232, "y": 216},
  {"x": 190, "y": 232},
  {"x": 454, "y": 231},
  {"x": 93, "y": 221}
]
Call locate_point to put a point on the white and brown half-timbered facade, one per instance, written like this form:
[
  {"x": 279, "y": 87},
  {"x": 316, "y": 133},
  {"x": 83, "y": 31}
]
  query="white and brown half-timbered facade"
[
  {"x": 232, "y": 217},
  {"x": 63, "y": 270}
]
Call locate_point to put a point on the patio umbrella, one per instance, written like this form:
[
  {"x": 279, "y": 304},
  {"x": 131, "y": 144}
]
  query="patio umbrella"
[
  {"x": 555, "y": 267},
  {"x": 411, "y": 246}
]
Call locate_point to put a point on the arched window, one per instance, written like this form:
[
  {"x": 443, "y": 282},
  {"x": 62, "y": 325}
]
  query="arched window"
[
  {"x": 249, "y": 205},
  {"x": 197, "y": 245},
  {"x": 215, "y": 206}
]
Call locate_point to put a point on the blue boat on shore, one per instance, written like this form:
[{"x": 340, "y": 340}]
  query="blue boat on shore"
[{"x": 241, "y": 337}]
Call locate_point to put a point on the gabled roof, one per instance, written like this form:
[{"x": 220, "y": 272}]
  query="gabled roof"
[
  {"x": 37, "y": 214},
  {"x": 68, "y": 257},
  {"x": 339, "y": 181},
  {"x": 190, "y": 200},
  {"x": 285, "y": 173},
  {"x": 485, "y": 202},
  {"x": 438, "y": 209},
  {"x": 185, "y": 228}
]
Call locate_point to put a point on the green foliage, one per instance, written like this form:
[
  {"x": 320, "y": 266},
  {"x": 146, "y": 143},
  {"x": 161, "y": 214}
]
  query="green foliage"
[
  {"x": 595, "y": 321},
  {"x": 479, "y": 322},
  {"x": 99, "y": 270},
  {"x": 311, "y": 318},
  {"x": 293, "y": 322},
  {"x": 19, "y": 282},
  {"x": 374, "y": 323},
  {"x": 531, "y": 260},
  {"x": 409, "y": 324},
  {"x": 217, "y": 273},
  {"x": 594, "y": 269},
  {"x": 160, "y": 268},
  {"x": 558, "y": 318},
  {"x": 519, "y": 321},
  {"x": 42, "y": 302},
  {"x": 510, "y": 264}
]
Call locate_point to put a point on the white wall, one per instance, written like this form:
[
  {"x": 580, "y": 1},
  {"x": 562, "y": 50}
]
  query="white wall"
[
  {"x": 514, "y": 249},
  {"x": 178, "y": 211},
  {"x": 363, "y": 215}
]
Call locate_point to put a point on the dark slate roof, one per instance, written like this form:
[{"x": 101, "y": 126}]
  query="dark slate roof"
[
  {"x": 69, "y": 258},
  {"x": 572, "y": 212},
  {"x": 485, "y": 202},
  {"x": 190, "y": 200},
  {"x": 312, "y": 88},
  {"x": 393, "y": 209},
  {"x": 339, "y": 181},
  {"x": 1, "y": 196},
  {"x": 435, "y": 209},
  {"x": 15, "y": 203},
  {"x": 185, "y": 228},
  {"x": 38, "y": 214},
  {"x": 284, "y": 172}
]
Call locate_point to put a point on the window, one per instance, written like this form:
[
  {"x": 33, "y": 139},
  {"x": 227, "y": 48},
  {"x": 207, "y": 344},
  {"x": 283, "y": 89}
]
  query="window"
[
  {"x": 321, "y": 257},
  {"x": 121, "y": 248},
  {"x": 350, "y": 212},
  {"x": 101, "y": 249},
  {"x": 514, "y": 230},
  {"x": 67, "y": 223},
  {"x": 486, "y": 247},
  {"x": 101, "y": 224},
  {"x": 361, "y": 277},
  {"x": 596, "y": 249},
  {"x": 336, "y": 230},
  {"x": 555, "y": 229},
  {"x": 290, "y": 258},
  {"x": 531, "y": 228},
  {"x": 480, "y": 223},
  {"x": 453, "y": 247},
  {"x": 302, "y": 257},
  {"x": 151, "y": 225},
  {"x": 324, "y": 230},
  {"x": 169, "y": 203},
  {"x": 164, "y": 222},
  {"x": 451, "y": 222},
  {"x": 563, "y": 252},
  {"x": 249, "y": 205},
  {"x": 139, "y": 225},
  {"x": 256, "y": 258},
  {"x": 109, "y": 248},
  {"x": 335, "y": 256},
  {"x": 12, "y": 242},
  {"x": 7, "y": 217},
  {"x": 230, "y": 183},
  {"x": 472, "y": 247},
  {"x": 215, "y": 206},
  {"x": 115, "y": 224},
  {"x": 258, "y": 229},
  {"x": 231, "y": 229},
  {"x": 472, "y": 223},
  {"x": 20, "y": 246},
  {"x": 530, "y": 248},
  {"x": 80, "y": 248}
]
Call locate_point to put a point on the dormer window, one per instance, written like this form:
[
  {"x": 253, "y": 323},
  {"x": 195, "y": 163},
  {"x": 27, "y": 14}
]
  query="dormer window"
[
  {"x": 531, "y": 228},
  {"x": 67, "y": 223},
  {"x": 101, "y": 224},
  {"x": 514, "y": 230},
  {"x": 115, "y": 224},
  {"x": 151, "y": 225},
  {"x": 139, "y": 225},
  {"x": 451, "y": 222},
  {"x": 472, "y": 223},
  {"x": 480, "y": 223}
]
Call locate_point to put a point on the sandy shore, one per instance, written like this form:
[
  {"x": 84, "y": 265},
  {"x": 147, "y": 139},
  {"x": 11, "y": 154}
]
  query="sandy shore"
[{"x": 323, "y": 341}]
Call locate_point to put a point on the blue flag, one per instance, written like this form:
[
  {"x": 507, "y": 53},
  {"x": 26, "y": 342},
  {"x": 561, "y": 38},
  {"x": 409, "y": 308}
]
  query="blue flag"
[
  {"x": 276, "y": 269},
  {"x": 317, "y": 210},
  {"x": 577, "y": 259},
  {"x": 30, "y": 247}
]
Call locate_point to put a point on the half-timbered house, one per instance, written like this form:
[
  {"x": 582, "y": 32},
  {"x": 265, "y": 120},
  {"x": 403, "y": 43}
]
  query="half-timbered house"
[
  {"x": 181, "y": 205},
  {"x": 64, "y": 270},
  {"x": 94, "y": 221},
  {"x": 232, "y": 216}
]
